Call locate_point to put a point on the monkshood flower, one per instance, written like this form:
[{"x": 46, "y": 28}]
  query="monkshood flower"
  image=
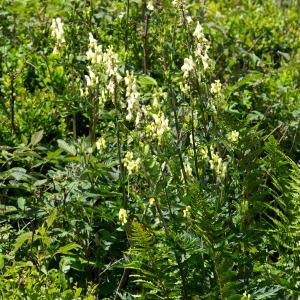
[
  {"x": 131, "y": 164},
  {"x": 150, "y": 6},
  {"x": 216, "y": 88},
  {"x": 123, "y": 216},
  {"x": 187, "y": 211},
  {"x": 202, "y": 47},
  {"x": 132, "y": 98},
  {"x": 217, "y": 164},
  {"x": 188, "y": 67},
  {"x": 233, "y": 136},
  {"x": 198, "y": 33},
  {"x": 101, "y": 144},
  {"x": 57, "y": 31},
  {"x": 188, "y": 172},
  {"x": 158, "y": 128}
]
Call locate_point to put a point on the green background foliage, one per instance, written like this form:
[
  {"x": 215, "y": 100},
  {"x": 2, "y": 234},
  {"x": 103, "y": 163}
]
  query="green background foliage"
[{"x": 193, "y": 196}]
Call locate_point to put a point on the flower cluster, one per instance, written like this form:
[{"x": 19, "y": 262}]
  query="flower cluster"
[
  {"x": 123, "y": 216},
  {"x": 217, "y": 164},
  {"x": 130, "y": 163},
  {"x": 216, "y": 88},
  {"x": 104, "y": 66},
  {"x": 150, "y": 5},
  {"x": 185, "y": 88},
  {"x": 101, "y": 144},
  {"x": 180, "y": 3},
  {"x": 202, "y": 47},
  {"x": 132, "y": 97},
  {"x": 233, "y": 136},
  {"x": 151, "y": 202},
  {"x": 188, "y": 172},
  {"x": 91, "y": 79},
  {"x": 246, "y": 296},
  {"x": 157, "y": 96},
  {"x": 204, "y": 153},
  {"x": 188, "y": 67},
  {"x": 187, "y": 212},
  {"x": 57, "y": 31},
  {"x": 217, "y": 101},
  {"x": 157, "y": 128}
]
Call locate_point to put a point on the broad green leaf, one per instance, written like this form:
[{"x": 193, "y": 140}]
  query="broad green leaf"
[
  {"x": 40, "y": 182},
  {"x": 65, "y": 146},
  {"x": 250, "y": 78},
  {"x": 24, "y": 139},
  {"x": 66, "y": 249},
  {"x": 36, "y": 137},
  {"x": 78, "y": 292},
  {"x": 23, "y": 264},
  {"x": 66, "y": 268},
  {"x": 17, "y": 175},
  {"x": 52, "y": 217},
  {"x": 21, "y": 239},
  {"x": 146, "y": 80},
  {"x": 21, "y": 203},
  {"x": 7, "y": 208}
]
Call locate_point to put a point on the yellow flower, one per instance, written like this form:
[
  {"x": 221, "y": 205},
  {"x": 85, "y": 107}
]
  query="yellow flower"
[{"x": 123, "y": 216}]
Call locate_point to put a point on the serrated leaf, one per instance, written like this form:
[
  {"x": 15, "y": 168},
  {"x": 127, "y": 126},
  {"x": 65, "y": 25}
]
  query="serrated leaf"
[
  {"x": 66, "y": 249},
  {"x": 36, "y": 137},
  {"x": 52, "y": 217},
  {"x": 146, "y": 80},
  {"x": 65, "y": 146}
]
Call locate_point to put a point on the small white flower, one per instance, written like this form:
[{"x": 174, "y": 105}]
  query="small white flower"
[
  {"x": 189, "y": 19},
  {"x": 88, "y": 80},
  {"x": 101, "y": 144},
  {"x": 151, "y": 202},
  {"x": 130, "y": 163},
  {"x": 204, "y": 153},
  {"x": 188, "y": 66},
  {"x": 150, "y": 6},
  {"x": 58, "y": 32},
  {"x": 233, "y": 136},
  {"x": 184, "y": 88},
  {"x": 111, "y": 87},
  {"x": 216, "y": 88},
  {"x": 198, "y": 33},
  {"x": 93, "y": 42},
  {"x": 187, "y": 211}
]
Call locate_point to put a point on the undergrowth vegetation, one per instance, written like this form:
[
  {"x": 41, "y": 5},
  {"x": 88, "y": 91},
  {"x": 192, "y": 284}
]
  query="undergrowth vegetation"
[{"x": 149, "y": 149}]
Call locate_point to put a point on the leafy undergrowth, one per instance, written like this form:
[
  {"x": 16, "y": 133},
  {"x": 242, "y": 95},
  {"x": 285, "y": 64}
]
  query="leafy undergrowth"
[{"x": 149, "y": 150}]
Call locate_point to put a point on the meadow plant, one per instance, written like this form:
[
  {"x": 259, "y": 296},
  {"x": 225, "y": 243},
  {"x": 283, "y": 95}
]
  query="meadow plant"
[{"x": 176, "y": 187}]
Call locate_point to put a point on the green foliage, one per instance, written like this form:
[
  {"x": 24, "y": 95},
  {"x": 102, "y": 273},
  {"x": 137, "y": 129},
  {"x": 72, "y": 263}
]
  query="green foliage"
[{"x": 149, "y": 149}]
